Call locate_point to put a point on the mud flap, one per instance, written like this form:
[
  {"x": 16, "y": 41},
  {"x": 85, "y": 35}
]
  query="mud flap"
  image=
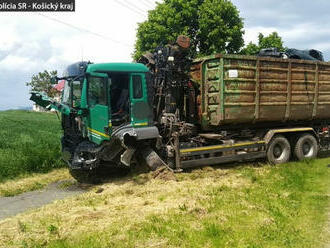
[
  {"x": 152, "y": 159},
  {"x": 126, "y": 157}
]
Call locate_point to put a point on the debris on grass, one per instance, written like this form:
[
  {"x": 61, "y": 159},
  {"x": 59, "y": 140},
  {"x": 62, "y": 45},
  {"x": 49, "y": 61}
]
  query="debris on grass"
[
  {"x": 164, "y": 173},
  {"x": 99, "y": 190}
]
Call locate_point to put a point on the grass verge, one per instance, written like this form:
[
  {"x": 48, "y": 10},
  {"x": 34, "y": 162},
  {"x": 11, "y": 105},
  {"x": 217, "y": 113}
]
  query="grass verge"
[
  {"x": 32, "y": 182},
  {"x": 29, "y": 143},
  {"x": 245, "y": 206}
]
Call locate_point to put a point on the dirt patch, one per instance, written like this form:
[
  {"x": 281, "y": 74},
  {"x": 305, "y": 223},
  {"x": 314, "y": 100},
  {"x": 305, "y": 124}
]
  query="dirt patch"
[
  {"x": 165, "y": 174},
  {"x": 10, "y": 206}
]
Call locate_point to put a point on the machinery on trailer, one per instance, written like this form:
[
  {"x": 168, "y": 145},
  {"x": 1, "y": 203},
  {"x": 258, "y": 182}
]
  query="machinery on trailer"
[{"x": 180, "y": 113}]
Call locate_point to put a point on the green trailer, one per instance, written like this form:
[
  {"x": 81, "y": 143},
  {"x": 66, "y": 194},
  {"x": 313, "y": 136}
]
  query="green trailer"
[{"x": 251, "y": 90}]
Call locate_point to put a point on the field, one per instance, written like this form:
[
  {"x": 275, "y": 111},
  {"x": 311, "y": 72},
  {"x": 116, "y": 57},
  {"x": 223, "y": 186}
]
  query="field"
[
  {"x": 29, "y": 143},
  {"x": 254, "y": 205}
]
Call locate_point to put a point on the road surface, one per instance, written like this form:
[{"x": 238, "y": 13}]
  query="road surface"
[{"x": 10, "y": 206}]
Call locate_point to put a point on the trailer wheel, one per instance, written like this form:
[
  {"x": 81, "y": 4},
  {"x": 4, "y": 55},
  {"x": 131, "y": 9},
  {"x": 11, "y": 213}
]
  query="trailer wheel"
[
  {"x": 279, "y": 150},
  {"x": 306, "y": 147}
]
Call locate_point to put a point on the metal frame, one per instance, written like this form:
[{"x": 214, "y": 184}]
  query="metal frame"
[{"x": 222, "y": 159}]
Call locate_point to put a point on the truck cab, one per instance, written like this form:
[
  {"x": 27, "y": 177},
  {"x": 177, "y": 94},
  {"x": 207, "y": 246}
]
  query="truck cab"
[
  {"x": 109, "y": 96},
  {"x": 106, "y": 108}
]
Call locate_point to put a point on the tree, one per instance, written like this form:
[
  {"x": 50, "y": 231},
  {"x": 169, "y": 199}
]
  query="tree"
[
  {"x": 250, "y": 49},
  {"x": 272, "y": 40},
  {"x": 42, "y": 82},
  {"x": 213, "y": 26},
  {"x": 220, "y": 27}
]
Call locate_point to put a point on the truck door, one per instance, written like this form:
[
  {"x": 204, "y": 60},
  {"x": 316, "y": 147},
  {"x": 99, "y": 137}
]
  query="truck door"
[
  {"x": 98, "y": 99},
  {"x": 140, "y": 109}
]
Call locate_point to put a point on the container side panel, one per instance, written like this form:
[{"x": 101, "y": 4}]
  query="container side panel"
[
  {"x": 240, "y": 90},
  {"x": 243, "y": 89},
  {"x": 323, "y": 104},
  {"x": 212, "y": 92},
  {"x": 273, "y": 90}
]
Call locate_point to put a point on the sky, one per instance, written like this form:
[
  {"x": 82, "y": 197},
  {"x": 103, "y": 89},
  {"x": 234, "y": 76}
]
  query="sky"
[{"x": 104, "y": 31}]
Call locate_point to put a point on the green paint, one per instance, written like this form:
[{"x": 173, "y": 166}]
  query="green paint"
[
  {"x": 140, "y": 109},
  {"x": 204, "y": 117},
  {"x": 117, "y": 67},
  {"x": 222, "y": 90},
  {"x": 44, "y": 101},
  {"x": 99, "y": 111},
  {"x": 84, "y": 95}
]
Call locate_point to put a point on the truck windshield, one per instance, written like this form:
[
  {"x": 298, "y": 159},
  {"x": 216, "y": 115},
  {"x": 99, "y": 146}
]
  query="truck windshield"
[{"x": 66, "y": 93}]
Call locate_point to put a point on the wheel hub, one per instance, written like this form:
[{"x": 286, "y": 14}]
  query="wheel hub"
[
  {"x": 277, "y": 151},
  {"x": 306, "y": 148}
]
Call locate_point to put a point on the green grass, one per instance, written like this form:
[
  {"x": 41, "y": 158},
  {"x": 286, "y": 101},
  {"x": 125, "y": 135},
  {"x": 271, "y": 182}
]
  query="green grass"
[
  {"x": 29, "y": 143},
  {"x": 247, "y": 206}
]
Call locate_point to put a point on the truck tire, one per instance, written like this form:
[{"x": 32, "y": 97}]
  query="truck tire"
[
  {"x": 306, "y": 147},
  {"x": 279, "y": 150}
]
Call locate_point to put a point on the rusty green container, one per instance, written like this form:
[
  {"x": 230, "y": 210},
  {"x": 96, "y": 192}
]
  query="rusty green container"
[{"x": 239, "y": 89}]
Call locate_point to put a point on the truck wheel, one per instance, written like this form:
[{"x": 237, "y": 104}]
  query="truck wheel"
[
  {"x": 306, "y": 147},
  {"x": 279, "y": 150}
]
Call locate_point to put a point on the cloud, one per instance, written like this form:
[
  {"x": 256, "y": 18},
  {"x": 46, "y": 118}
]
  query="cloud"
[
  {"x": 31, "y": 42},
  {"x": 13, "y": 91},
  {"x": 251, "y": 34},
  {"x": 301, "y": 23},
  {"x": 283, "y": 14}
]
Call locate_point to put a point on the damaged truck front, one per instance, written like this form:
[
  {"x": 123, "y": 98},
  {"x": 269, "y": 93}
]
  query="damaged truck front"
[{"x": 106, "y": 115}]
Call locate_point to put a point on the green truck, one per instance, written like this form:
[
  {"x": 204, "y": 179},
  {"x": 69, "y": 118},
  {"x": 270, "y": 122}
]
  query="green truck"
[{"x": 174, "y": 112}]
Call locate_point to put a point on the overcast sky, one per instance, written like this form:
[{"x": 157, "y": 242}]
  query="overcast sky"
[{"x": 33, "y": 42}]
